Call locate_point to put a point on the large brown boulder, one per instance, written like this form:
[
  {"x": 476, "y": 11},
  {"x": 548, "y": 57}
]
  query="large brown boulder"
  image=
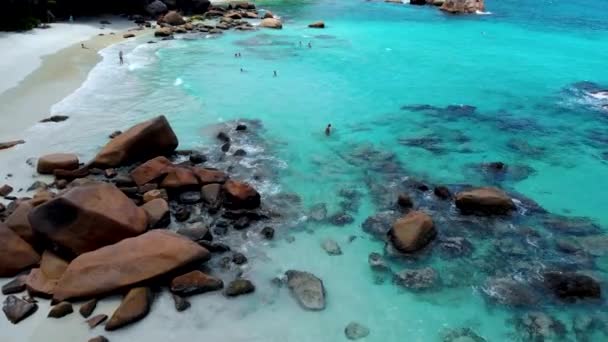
[
  {"x": 239, "y": 195},
  {"x": 484, "y": 201},
  {"x": 143, "y": 141},
  {"x": 179, "y": 178},
  {"x": 158, "y": 213},
  {"x": 15, "y": 254},
  {"x": 18, "y": 222},
  {"x": 163, "y": 32},
  {"x": 173, "y": 18},
  {"x": 130, "y": 261},
  {"x": 463, "y": 6},
  {"x": 272, "y": 23},
  {"x": 134, "y": 307},
  {"x": 151, "y": 170},
  {"x": 412, "y": 232},
  {"x": 209, "y": 176},
  {"x": 57, "y": 161},
  {"x": 88, "y": 217},
  {"x": 42, "y": 281}
]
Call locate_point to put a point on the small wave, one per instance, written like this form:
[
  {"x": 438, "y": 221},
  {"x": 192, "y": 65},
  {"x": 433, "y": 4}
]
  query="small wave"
[
  {"x": 178, "y": 82},
  {"x": 483, "y": 13}
]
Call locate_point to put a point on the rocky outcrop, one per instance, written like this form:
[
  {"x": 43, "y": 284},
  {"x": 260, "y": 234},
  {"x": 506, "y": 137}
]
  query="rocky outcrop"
[
  {"x": 17, "y": 309},
  {"x": 307, "y": 289},
  {"x": 18, "y": 222},
  {"x": 195, "y": 282},
  {"x": 57, "y": 161},
  {"x": 412, "y": 232},
  {"x": 143, "y": 141},
  {"x": 239, "y": 195},
  {"x": 210, "y": 176},
  {"x": 134, "y": 307},
  {"x": 158, "y": 214},
  {"x": 127, "y": 262},
  {"x": 156, "y": 8},
  {"x": 163, "y": 32},
  {"x": 463, "y": 6},
  {"x": 571, "y": 286},
  {"x": 173, "y": 18},
  {"x": 42, "y": 281},
  {"x": 15, "y": 254},
  {"x": 272, "y": 23},
  {"x": 151, "y": 170},
  {"x": 88, "y": 217},
  {"x": 484, "y": 201}
]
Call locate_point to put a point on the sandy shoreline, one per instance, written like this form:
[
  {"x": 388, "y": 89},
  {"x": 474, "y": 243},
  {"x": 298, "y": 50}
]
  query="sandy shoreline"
[{"x": 58, "y": 75}]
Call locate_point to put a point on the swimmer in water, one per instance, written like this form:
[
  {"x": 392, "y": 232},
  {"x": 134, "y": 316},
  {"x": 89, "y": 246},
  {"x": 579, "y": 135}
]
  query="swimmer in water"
[
  {"x": 274, "y": 74},
  {"x": 328, "y": 130},
  {"x": 309, "y": 45}
]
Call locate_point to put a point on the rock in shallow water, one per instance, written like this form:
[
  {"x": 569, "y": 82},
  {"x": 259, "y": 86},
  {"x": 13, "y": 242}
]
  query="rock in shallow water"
[
  {"x": 571, "y": 286},
  {"x": 239, "y": 287},
  {"x": 412, "y": 232},
  {"x": 418, "y": 280},
  {"x": 307, "y": 288},
  {"x": 356, "y": 331},
  {"x": 484, "y": 201},
  {"x": 195, "y": 282},
  {"x": 331, "y": 247},
  {"x": 17, "y": 309}
]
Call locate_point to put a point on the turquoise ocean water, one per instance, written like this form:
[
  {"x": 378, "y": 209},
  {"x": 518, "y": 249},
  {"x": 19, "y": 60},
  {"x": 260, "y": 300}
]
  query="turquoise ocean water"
[{"x": 411, "y": 94}]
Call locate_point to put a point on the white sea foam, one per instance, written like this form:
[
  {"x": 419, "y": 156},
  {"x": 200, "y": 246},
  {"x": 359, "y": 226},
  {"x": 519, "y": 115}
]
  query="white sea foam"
[{"x": 178, "y": 82}]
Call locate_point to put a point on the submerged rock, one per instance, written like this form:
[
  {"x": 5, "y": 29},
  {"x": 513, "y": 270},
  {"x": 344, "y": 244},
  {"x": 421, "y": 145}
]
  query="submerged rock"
[
  {"x": 572, "y": 286},
  {"x": 17, "y": 309},
  {"x": 307, "y": 288},
  {"x": 418, "y": 279},
  {"x": 538, "y": 326},
  {"x": 134, "y": 307},
  {"x": 507, "y": 291},
  {"x": 356, "y": 331},
  {"x": 377, "y": 262},
  {"x": 318, "y": 212},
  {"x": 110, "y": 268},
  {"x": 380, "y": 224},
  {"x": 331, "y": 247},
  {"x": 461, "y": 335},
  {"x": 412, "y": 232},
  {"x": 341, "y": 219}
]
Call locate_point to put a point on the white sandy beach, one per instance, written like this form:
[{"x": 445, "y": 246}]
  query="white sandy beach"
[{"x": 42, "y": 66}]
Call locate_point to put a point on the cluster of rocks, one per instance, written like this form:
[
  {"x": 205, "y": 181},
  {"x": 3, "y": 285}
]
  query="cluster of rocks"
[
  {"x": 97, "y": 234},
  {"x": 449, "y": 6}
]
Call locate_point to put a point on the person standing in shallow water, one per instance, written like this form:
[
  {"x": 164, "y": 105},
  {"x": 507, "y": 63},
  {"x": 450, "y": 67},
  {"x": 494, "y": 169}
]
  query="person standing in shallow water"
[
  {"x": 120, "y": 57},
  {"x": 328, "y": 130}
]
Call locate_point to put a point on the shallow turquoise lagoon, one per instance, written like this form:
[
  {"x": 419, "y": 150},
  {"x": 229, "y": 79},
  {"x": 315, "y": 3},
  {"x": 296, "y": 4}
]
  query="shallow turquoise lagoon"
[{"x": 412, "y": 94}]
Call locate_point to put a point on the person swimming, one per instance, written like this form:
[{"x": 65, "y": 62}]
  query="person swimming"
[
  {"x": 328, "y": 130},
  {"x": 120, "y": 57},
  {"x": 309, "y": 45},
  {"x": 274, "y": 74}
]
